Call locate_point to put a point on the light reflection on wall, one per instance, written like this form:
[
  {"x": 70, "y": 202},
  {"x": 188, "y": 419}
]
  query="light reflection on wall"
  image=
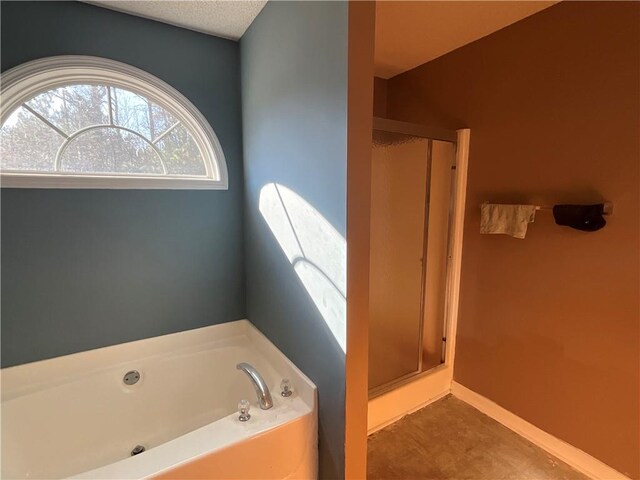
[{"x": 315, "y": 249}]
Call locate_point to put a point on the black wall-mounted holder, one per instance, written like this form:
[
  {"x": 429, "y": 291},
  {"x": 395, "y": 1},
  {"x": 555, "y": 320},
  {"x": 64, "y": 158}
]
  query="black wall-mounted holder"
[{"x": 587, "y": 218}]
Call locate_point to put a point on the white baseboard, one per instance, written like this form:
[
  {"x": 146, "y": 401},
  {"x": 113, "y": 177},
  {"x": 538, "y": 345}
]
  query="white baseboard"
[{"x": 581, "y": 461}]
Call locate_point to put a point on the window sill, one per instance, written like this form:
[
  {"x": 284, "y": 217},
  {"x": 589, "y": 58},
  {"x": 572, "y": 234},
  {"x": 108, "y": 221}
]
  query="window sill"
[{"x": 109, "y": 182}]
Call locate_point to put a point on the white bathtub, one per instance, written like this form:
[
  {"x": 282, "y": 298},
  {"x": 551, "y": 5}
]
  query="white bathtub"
[{"x": 73, "y": 416}]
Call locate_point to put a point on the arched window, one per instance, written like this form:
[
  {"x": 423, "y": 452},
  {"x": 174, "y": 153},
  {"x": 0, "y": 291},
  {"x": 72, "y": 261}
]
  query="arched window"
[{"x": 88, "y": 122}]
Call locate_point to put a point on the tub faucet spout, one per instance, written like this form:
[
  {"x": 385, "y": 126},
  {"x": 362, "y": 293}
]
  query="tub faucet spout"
[{"x": 260, "y": 386}]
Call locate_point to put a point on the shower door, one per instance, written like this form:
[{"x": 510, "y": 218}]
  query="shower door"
[
  {"x": 412, "y": 179},
  {"x": 399, "y": 193}
]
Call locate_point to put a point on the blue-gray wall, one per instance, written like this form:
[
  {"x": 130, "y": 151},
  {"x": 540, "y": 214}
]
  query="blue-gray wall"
[
  {"x": 88, "y": 268},
  {"x": 294, "y": 107}
]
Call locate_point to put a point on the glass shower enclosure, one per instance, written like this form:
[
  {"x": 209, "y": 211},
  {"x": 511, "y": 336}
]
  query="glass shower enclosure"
[{"x": 412, "y": 182}]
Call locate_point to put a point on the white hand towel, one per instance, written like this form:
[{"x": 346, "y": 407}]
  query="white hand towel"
[{"x": 508, "y": 219}]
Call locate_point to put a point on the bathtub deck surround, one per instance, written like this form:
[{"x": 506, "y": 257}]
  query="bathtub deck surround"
[{"x": 115, "y": 396}]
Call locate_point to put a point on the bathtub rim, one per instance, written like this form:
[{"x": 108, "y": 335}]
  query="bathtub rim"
[{"x": 19, "y": 380}]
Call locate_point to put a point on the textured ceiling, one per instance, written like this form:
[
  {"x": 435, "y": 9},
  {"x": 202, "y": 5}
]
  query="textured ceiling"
[
  {"x": 409, "y": 34},
  {"x": 223, "y": 18}
]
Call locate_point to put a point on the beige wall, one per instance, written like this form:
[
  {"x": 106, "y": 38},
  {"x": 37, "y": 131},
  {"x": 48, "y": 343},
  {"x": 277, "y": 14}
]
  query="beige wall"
[
  {"x": 359, "y": 124},
  {"x": 380, "y": 97},
  {"x": 549, "y": 326}
]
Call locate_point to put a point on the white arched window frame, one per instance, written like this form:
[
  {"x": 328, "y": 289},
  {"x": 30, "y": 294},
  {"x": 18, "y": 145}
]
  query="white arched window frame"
[{"x": 26, "y": 81}]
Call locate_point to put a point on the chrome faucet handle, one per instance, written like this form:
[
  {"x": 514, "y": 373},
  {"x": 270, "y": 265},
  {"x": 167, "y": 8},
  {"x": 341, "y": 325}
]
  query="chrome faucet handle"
[
  {"x": 285, "y": 387},
  {"x": 243, "y": 409}
]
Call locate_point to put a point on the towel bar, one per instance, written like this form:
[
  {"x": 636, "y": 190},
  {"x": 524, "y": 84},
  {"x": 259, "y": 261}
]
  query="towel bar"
[{"x": 606, "y": 210}]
